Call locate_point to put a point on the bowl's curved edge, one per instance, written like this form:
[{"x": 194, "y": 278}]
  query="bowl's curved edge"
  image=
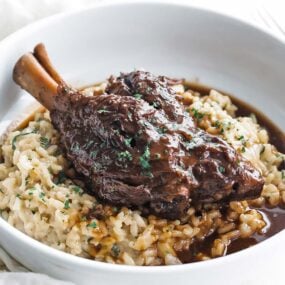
[{"x": 91, "y": 264}]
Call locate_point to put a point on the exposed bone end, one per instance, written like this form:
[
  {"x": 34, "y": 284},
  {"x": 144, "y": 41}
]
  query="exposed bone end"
[
  {"x": 32, "y": 77},
  {"x": 35, "y": 73},
  {"x": 41, "y": 55}
]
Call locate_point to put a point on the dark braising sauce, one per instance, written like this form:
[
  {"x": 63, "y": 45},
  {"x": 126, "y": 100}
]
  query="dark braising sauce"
[
  {"x": 274, "y": 216},
  {"x": 275, "y": 219}
]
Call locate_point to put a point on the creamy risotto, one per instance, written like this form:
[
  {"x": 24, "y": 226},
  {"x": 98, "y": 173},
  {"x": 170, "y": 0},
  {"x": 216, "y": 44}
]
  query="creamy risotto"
[{"x": 41, "y": 195}]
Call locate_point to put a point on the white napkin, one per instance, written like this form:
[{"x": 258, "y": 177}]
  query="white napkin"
[
  {"x": 15, "y": 14},
  {"x": 29, "y": 279}
]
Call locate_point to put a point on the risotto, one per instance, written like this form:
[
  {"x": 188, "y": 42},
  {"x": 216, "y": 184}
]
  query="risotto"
[{"x": 41, "y": 195}]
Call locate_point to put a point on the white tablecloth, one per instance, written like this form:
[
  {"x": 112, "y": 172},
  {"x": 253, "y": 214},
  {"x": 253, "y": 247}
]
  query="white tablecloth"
[{"x": 14, "y": 14}]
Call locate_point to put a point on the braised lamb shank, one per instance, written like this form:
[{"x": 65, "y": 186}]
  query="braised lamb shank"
[{"x": 135, "y": 145}]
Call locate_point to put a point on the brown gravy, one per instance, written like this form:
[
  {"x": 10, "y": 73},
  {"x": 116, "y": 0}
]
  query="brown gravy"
[{"x": 274, "y": 216}]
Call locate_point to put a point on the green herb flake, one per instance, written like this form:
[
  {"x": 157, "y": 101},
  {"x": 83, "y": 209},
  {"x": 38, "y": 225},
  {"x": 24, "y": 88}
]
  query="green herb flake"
[
  {"x": 144, "y": 159},
  {"x": 75, "y": 147},
  {"x": 67, "y": 204},
  {"x": 243, "y": 149},
  {"x": 42, "y": 196},
  {"x": 162, "y": 130},
  {"x": 27, "y": 180},
  {"x": 93, "y": 154},
  {"x": 198, "y": 115},
  {"x": 222, "y": 169},
  {"x": 44, "y": 142},
  {"x": 92, "y": 225},
  {"x": 115, "y": 250},
  {"x": 217, "y": 124},
  {"x": 240, "y": 138},
  {"x": 89, "y": 143},
  {"x": 128, "y": 141},
  {"x": 31, "y": 191},
  {"x": 124, "y": 156},
  {"x": 18, "y": 196},
  {"x": 138, "y": 96},
  {"x": 103, "y": 111},
  {"x": 190, "y": 145},
  {"x": 77, "y": 190},
  {"x": 155, "y": 104},
  {"x": 60, "y": 177},
  {"x": 14, "y": 140}
]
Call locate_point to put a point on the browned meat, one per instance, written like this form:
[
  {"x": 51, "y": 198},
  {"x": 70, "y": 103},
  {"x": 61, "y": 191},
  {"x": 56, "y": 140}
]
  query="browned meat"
[{"x": 138, "y": 147}]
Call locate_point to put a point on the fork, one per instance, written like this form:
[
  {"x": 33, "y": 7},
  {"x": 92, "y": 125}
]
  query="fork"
[{"x": 264, "y": 17}]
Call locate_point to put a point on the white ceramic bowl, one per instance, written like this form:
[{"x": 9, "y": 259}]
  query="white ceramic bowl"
[{"x": 172, "y": 39}]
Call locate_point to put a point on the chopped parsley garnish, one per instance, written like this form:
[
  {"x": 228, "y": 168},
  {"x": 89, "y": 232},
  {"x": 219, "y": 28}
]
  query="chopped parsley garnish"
[
  {"x": 31, "y": 191},
  {"x": 42, "y": 196},
  {"x": 66, "y": 204},
  {"x": 240, "y": 138},
  {"x": 45, "y": 142},
  {"x": 220, "y": 125},
  {"x": 101, "y": 111},
  {"x": 60, "y": 177},
  {"x": 20, "y": 135},
  {"x": 144, "y": 159},
  {"x": 138, "y": 96},
  {"x": 155, "y": 104},
  {"x": 162, "y": 130},
  {"x": 190, "y": 145},
  {"x": 243, "y": 149},
  {"x": 27, "y": 180},
  {"x": 92, "y": 225},
  {"x": 115, "y": 250},
  {"x": 77, "y": 190},
  {"x": 222, "y": 169},
  {"x": 124, "y": 156},
  {"x": 18, "y": 196},
  {"x": 128, "y": 142},
  {"x": 217, "y": 124},
  {"x": 75, "y": 147},
  {"x": 198, "y": 115},
  {"x": 93, "y": 154},
  {"x": 89, "y": 143}
]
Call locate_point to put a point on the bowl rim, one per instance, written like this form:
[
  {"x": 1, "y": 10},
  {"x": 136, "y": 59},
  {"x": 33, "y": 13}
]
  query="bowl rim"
[{"x": 68, "y": 258}]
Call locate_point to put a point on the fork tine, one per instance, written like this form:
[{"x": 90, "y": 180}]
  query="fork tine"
[
  {"x": 269, "y": 21},
  {"x": 277, "y": 25}
]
